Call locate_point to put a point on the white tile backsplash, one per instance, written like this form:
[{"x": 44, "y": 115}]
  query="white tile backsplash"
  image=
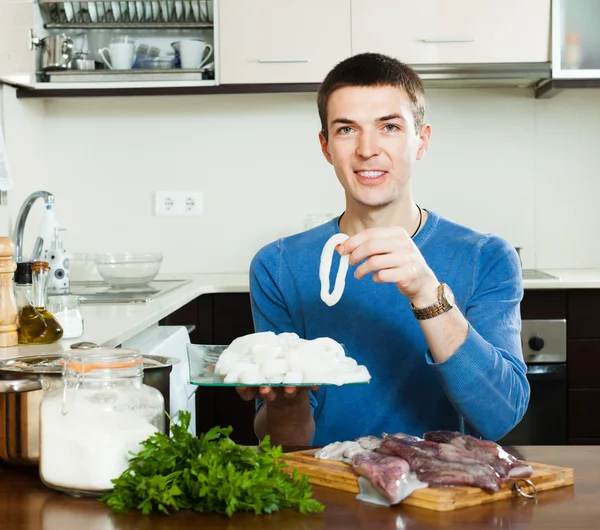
[{"x": 499, "y": 161}]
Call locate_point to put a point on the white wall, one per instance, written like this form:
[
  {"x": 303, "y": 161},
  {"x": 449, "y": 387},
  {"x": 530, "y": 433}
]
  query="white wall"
[{"x": 499, "y": 161}]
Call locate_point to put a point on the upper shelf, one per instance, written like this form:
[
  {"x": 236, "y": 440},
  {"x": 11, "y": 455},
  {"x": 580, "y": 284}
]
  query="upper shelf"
[
  {"x": 137, "y": 14},
  {"x": 131, "y": 25}
]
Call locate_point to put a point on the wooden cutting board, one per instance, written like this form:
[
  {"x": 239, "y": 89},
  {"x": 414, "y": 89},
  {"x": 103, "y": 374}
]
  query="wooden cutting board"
[{"x": 339, "y": 475}]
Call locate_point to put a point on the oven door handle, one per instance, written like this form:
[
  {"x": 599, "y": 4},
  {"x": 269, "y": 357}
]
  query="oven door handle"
[{"x": 547, "y": 372}]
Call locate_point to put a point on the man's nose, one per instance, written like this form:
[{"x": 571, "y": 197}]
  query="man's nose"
[{"x": 367, "y": 144}]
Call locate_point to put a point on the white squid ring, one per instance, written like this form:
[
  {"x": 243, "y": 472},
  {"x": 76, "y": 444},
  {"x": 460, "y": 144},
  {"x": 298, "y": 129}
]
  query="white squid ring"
[{"x": 325, "y": 267}]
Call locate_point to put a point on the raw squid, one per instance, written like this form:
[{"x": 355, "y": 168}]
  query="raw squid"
[
  {"x": 346, "y": 451},
  {"x": 336, "y": 450},
  {"x": 266, "y": 358},
  {"x": 392, "y": 467},
  {"x": 325, "y": 268}
]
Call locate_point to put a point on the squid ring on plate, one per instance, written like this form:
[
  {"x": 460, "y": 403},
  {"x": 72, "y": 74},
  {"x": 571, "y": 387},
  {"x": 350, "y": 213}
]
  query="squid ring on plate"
[{"x": 325, "y": 267}]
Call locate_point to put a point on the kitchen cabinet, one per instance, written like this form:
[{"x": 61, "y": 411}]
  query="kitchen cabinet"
[
  {"x": 453, "y": 32},
  {"x": 270, "y": 41},
  {"x": 29, "y": 58},
  {"x": 584, "y": 367},
  {"x": 17, "y": 56},
  {"x": 582, "y": 388},
  {"x": 219, "y": 319},
  {"x": 576, "y": 41}
]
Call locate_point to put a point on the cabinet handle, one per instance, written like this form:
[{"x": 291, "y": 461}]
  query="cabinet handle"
[
  {"x": 34, "y": 41},
  {"x": 283, "y": 60},
  {"x": 443, "y": 41}
]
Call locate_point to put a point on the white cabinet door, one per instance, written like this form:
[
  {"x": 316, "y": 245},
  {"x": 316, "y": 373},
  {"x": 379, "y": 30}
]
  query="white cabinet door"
[
  {"x": 282, "y": 41},
  {"x": 17, "y": 60},
  {"x": 453, "y": 31}
]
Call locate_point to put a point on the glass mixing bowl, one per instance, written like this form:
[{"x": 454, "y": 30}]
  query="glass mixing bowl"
[{"x": 128, "y": 269}]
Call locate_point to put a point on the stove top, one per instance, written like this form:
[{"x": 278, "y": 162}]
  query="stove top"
[
  {"x": 534, "y": 274},
  {"x": 100, "y": 292}
]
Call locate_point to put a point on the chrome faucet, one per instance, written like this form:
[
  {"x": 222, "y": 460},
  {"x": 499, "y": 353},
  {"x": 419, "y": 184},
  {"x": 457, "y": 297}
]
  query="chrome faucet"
[{"x": 22, "y": 219}]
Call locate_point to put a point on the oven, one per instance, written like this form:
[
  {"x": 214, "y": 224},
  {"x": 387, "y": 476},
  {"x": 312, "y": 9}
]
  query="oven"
[{"x": 545, "y": 354}]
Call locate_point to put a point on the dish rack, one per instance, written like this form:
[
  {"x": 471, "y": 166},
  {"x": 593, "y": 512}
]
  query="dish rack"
[{"x": 126, "y": 14}]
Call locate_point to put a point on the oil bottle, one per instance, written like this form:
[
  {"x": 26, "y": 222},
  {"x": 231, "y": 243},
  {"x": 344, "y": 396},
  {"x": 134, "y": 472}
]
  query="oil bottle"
[{"x": 36, "y": 323}]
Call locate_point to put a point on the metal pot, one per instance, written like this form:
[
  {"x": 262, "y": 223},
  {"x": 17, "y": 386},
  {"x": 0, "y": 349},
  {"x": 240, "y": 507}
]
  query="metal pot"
[
  {"x": 57, "y": 52},
  {"x": 25, "y": 380}
]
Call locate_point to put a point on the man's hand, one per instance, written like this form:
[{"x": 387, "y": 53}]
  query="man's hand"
[
  {"x": 391, "y": 255},
  {"x": 269, "y": 393},
  {"x": 286, "y": 415}
]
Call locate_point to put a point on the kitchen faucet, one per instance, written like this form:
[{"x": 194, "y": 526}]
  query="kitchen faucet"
[{"x": 22, "y": 219}]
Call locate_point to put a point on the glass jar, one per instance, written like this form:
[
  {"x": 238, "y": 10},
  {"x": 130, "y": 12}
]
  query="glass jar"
[
  {"x": 101, "y": 414},
  {"x": 66, "y": 310}
]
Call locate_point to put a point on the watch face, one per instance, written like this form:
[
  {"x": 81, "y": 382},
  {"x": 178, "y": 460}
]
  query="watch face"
[{"x": 448, "y": 294}]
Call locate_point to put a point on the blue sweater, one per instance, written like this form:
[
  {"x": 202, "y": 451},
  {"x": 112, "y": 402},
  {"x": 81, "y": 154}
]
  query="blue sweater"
[{"x": 484, "y": 382}]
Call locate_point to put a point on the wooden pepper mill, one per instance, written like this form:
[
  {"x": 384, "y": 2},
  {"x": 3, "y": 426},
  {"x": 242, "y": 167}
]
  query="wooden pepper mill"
[{"x": 8, "y": 306}]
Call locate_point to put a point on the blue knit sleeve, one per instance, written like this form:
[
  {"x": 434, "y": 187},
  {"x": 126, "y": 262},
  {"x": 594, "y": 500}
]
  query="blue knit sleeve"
[
  {"x": 270, "y": 311},
  {"x": 486, "y": 377}
]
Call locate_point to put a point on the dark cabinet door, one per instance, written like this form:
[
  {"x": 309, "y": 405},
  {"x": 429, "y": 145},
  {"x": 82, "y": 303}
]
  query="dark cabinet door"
[
  {"x": 232, "y": 318},
  {"x": 583, "y": 314},
  {"x": 220, "y": 318},
  {"x": 584, "y": 413},
  {"x": 584, "y": 364},
  {"x": 544, "y": 304}
]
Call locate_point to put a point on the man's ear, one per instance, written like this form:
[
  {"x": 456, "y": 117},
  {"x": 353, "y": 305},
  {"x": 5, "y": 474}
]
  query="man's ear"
[
  {"x": 325, "y": 147},
  {"x": 424, "y": 137}
]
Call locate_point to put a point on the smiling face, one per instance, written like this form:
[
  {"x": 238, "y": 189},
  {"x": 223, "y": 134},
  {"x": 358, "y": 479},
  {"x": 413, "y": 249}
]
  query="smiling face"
[{"x": 372, "y": 144}]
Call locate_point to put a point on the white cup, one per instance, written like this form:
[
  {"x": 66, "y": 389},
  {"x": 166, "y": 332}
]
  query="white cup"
[
  {"x": 192, "y": 53},
  {"x": 122, "y": 55}
]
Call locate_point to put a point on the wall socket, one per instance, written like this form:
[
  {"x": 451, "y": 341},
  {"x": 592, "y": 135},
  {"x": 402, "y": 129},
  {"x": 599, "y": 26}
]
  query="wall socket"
[{"x": 178, "y": 203}]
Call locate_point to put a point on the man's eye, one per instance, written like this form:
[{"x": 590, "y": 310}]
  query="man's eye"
[
  {"x": 391, "y": 127},
  {"x": 345, "y": 130}
]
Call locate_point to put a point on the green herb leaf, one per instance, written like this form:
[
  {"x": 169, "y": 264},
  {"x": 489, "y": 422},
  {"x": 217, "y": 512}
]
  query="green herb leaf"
[{"x": 210, "y": 473}]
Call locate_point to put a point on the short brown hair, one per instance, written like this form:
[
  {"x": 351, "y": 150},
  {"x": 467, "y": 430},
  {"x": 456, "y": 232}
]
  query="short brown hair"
[{"x": 372, "y": 70}]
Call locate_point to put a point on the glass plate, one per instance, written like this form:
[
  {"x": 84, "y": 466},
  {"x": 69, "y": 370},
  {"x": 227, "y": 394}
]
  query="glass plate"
[{"x": 204, "y": 357}]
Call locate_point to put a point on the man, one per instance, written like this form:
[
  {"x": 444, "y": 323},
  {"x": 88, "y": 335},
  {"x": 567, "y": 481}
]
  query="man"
[{"x": 430, "y": 307}]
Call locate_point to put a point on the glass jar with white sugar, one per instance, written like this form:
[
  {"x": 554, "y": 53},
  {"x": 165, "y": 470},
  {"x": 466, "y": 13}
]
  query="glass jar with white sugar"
[
  {"x": 65, "y": 309},
  {"x": 102, "y": 413}
]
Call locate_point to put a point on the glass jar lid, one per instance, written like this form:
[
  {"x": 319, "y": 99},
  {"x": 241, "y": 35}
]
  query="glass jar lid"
[
  {"x": 103, "y": 362},
  {"x": 54, "y": 363}
]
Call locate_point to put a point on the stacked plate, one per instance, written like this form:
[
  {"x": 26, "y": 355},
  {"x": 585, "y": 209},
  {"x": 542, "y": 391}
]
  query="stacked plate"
[{"x": 132, "y": 11}]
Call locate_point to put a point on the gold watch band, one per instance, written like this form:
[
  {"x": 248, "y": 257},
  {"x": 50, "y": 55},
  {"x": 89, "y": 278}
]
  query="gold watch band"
[
  {"x": 442, "y": 306},
  {"x": 431, "y": 311}
]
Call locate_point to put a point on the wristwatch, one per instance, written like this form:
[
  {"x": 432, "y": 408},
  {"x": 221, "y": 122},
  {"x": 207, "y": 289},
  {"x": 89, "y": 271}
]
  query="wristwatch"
[{"x": 445, "y": 303}]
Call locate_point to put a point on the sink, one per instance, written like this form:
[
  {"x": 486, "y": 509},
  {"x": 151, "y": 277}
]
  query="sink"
[{"x": 534, "y": 274}]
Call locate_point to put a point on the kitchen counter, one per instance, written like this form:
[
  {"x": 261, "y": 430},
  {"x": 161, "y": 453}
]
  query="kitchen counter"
[
  {"x": 567, "y": 279},
  {"x": 26, "y": 504},
  {"x": 111, "y": 324}
]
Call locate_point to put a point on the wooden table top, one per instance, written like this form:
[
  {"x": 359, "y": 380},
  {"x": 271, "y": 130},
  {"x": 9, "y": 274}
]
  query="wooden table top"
[{"x": 26, "y": 504}]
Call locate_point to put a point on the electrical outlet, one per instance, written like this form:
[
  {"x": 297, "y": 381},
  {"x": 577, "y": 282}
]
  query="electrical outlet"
[{"x": 178, "y": 203}]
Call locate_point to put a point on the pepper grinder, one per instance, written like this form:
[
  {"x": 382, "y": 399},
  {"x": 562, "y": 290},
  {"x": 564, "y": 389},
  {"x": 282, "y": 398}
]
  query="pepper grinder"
[{"x": 8, "y": 305}]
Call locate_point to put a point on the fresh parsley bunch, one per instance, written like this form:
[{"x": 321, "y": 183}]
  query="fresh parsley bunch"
[{"x": 210, "y": 473}]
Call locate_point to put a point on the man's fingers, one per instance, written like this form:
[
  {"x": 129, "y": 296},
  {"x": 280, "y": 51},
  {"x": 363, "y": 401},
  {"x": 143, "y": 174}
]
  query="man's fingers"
[
  {"x": 290, "y": 391},
  {"x": 267, "y": 393},
  {"x": 246, "y": 393}
]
